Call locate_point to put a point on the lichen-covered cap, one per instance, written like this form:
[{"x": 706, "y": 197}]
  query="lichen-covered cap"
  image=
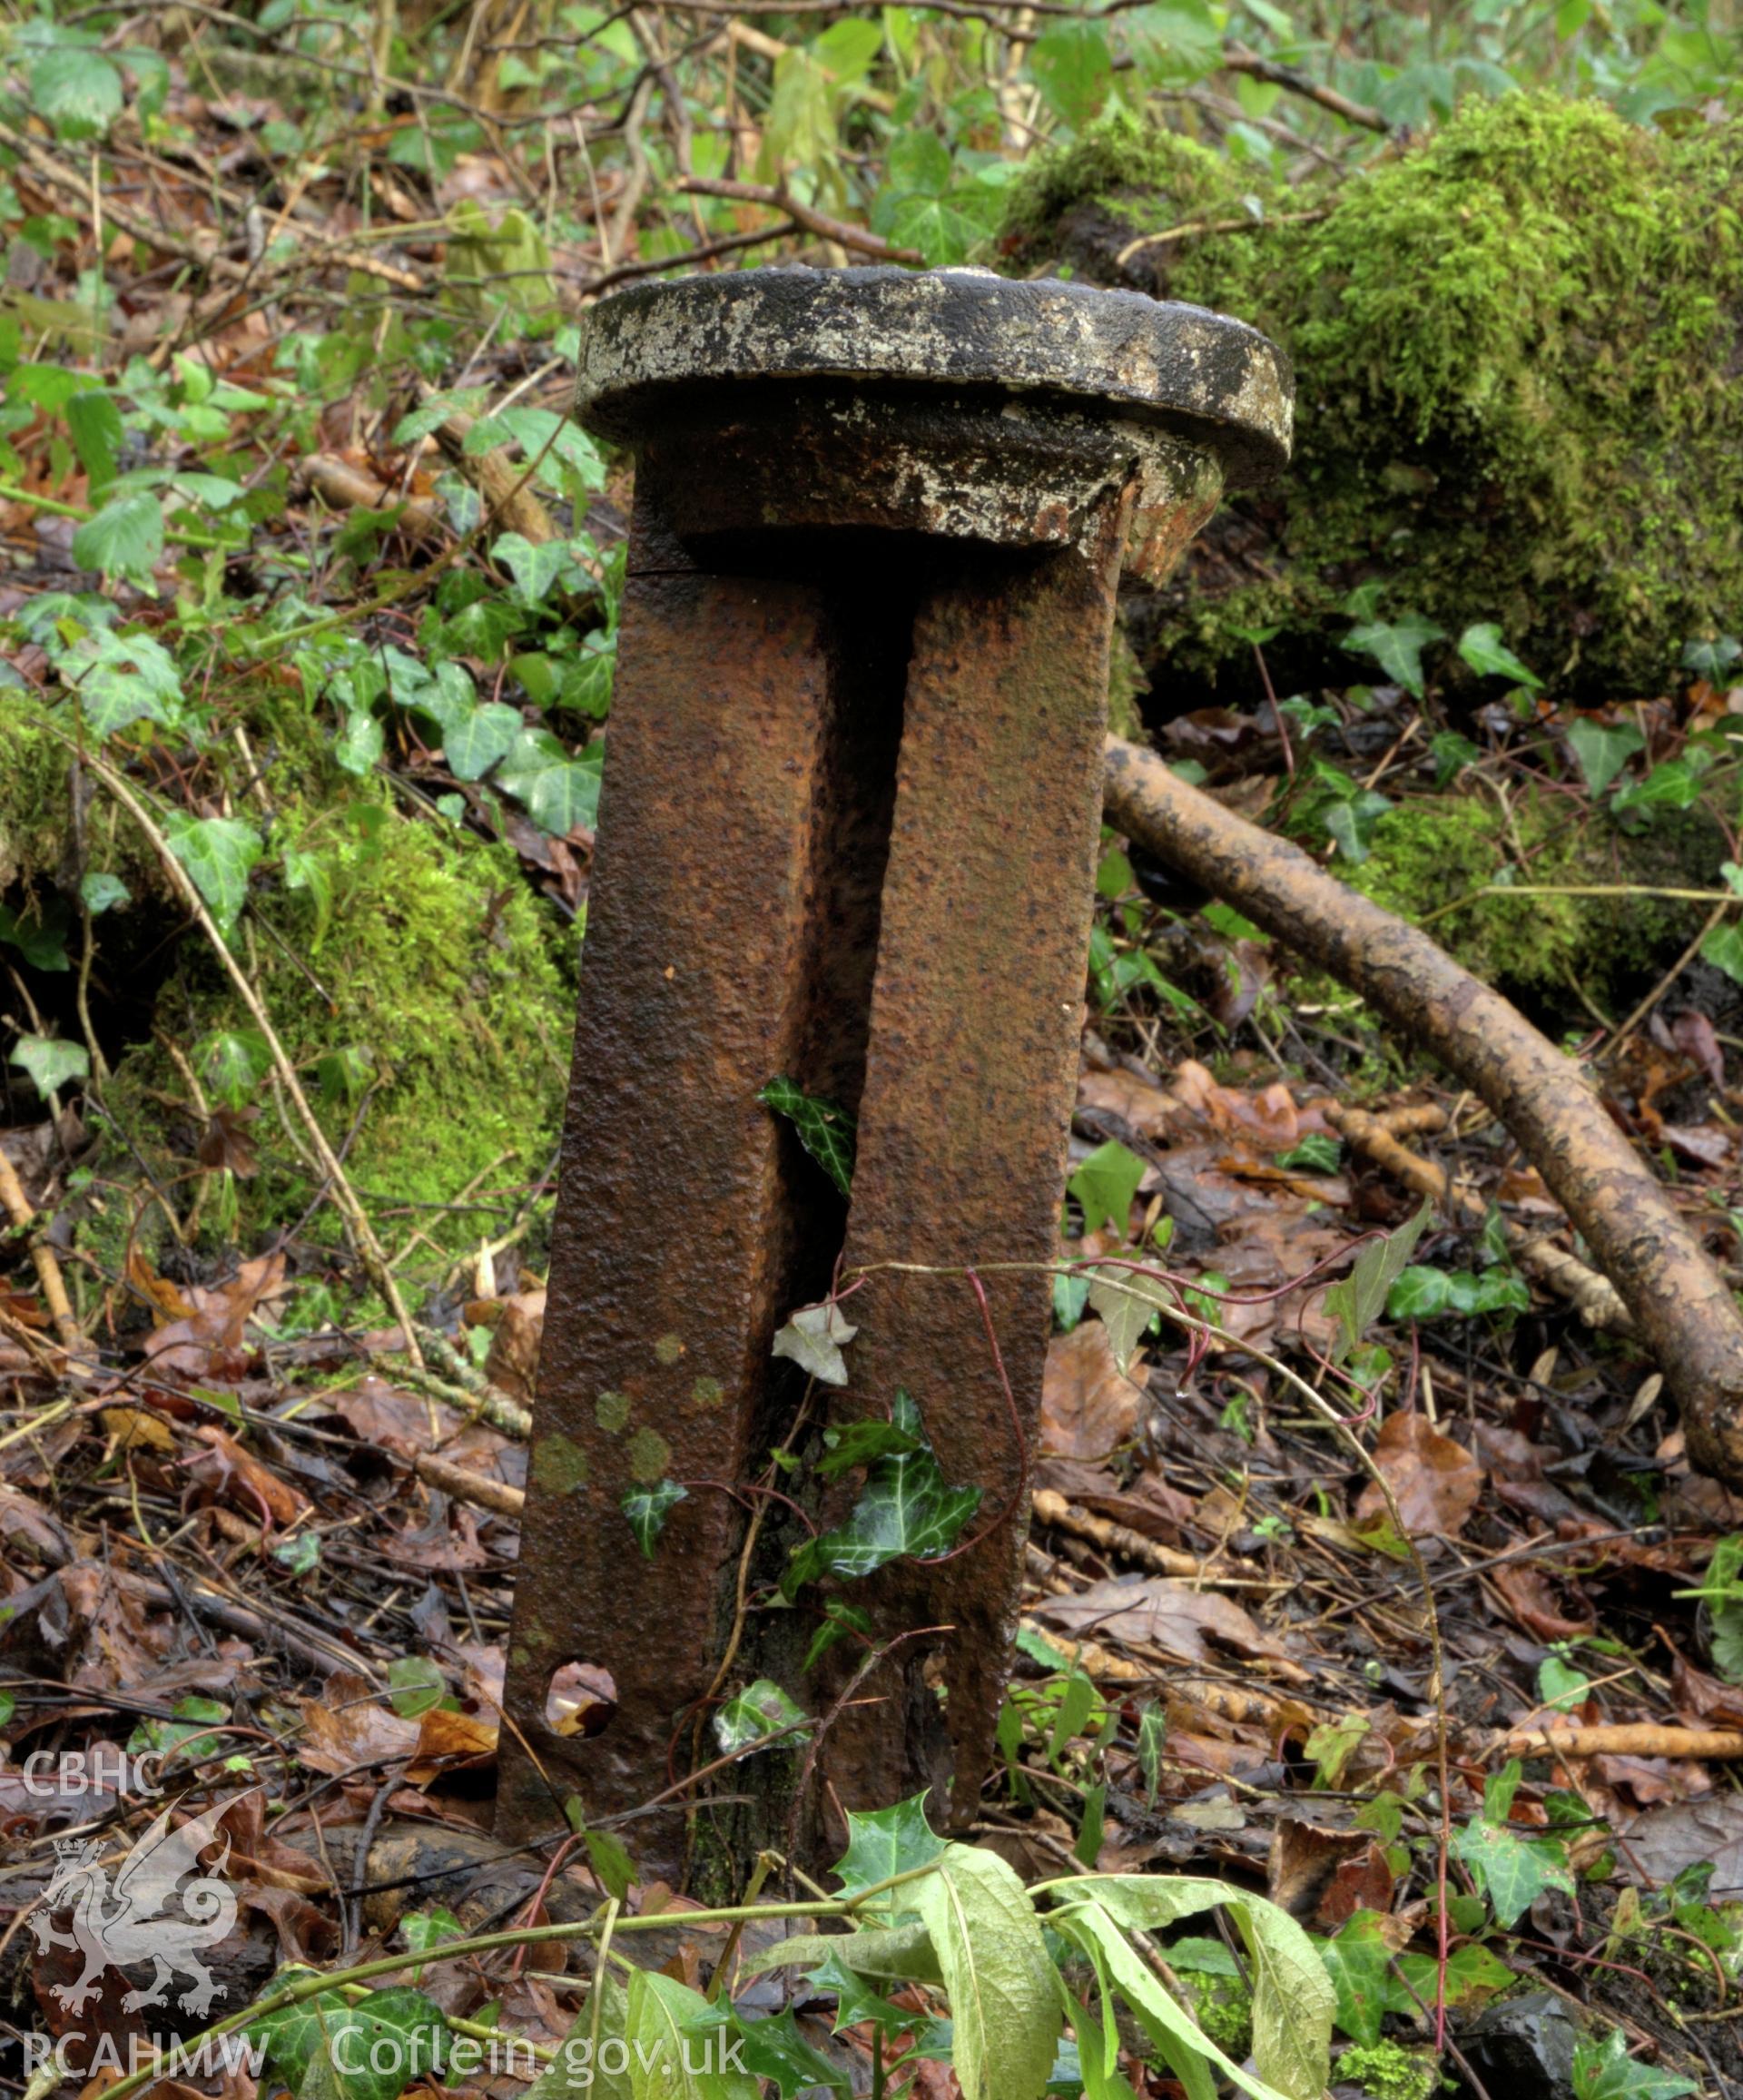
[{"x": 1181, "y": 368}]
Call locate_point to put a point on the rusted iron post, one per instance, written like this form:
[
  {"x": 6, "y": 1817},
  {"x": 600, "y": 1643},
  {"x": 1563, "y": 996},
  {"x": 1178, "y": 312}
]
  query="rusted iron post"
[{"x": 847, "y": 834}]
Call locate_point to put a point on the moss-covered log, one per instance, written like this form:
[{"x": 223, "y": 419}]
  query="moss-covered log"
[{"x": 1519, "y": 352}]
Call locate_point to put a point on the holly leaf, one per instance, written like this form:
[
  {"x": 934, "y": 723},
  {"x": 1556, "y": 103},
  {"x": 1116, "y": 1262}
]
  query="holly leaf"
[
  {"x": 774, "y": 2049},
  {"x": 648, "y": 1509},
  {"x": 856, "y": 2001},
  {"x": 51, "y": 1062},
  {"x": 906, "y": 1512},
  {"x": 756, "y": 1711},
  {"x": 825, "y": 1129},
  {"x": 886, "y": 1841},
  {"x": 218, "y": 854},
  {"x": 813, "y": 1338},
  {"x": 1105, "y": 1186}
]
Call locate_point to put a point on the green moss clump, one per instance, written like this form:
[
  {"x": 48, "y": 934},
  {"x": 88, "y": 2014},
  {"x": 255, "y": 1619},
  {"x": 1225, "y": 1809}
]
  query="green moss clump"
[
  {"x": 36, "y": 813},
  {"x": 443, "y": 984},
  {"x": 1435, "y": 850},
  {"x": 1516, "y": 356},
  {"x": 1386, "y": 2070}
]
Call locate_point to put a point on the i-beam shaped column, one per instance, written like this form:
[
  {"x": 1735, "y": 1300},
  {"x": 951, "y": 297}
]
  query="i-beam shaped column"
[{"x": 848, "y": 833}]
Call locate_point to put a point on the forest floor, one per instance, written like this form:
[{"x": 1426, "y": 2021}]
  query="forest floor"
[{"x": 1454, "y": 1675}]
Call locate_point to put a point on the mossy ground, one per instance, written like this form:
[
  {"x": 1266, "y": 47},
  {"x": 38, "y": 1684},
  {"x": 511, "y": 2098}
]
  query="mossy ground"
[
  {"x": 1386, "y": 2070},
  {"x": 1437, "y": 851},
  {"x": 1516, "y": 348},
  {"x": 426, "y": 1001}
]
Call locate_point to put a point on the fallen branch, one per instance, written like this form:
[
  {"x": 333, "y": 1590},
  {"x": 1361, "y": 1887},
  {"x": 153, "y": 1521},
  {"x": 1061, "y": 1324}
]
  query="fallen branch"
[
  {"x": 19, "y": 1209},
  {"x": 1685, "y": 1314},
  {"x": 1593, "y": 1296},
  {"x": 1625, "y": 1738},
  {"x": 1049, "y": 1508}
]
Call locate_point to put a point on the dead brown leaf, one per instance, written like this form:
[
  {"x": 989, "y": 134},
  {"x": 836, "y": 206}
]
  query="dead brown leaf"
[
  {"x": 1436, "y": 1482},
  {"x": 1164, "y": 1611},
  {"x": 1089, "y": 1406}
]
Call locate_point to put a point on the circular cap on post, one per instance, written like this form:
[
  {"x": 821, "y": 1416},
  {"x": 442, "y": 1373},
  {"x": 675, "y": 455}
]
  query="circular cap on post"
[{"x": 1179, "y": 370}]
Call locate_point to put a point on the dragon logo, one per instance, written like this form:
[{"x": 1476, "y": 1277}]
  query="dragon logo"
[{"x": 132, "y": 1920}]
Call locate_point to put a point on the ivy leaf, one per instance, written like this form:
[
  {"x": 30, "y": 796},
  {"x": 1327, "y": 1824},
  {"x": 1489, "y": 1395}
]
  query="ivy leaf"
[
  {"x": 536, "y": 566},
  {"x": 840, "y": 1620},
  {"x": 1005, "y": 2010},
  {"x": 330, "y": 2050},
  {"x": 218, "y": 854},
  {"x": 1489, "y": 658},
  {"x": 39, "y": 934},
  {"x": 557, "y": 792},
  {"x": 1396, "y": 646},
  {"x": 121, "y": 679},
  {"x": 754, "y": 1712},
  {"x": 473, "y": 746},
  {"x": 944, "y": 232},
  {"x": 1351, "y": 824},
  {"x": 1723, "y": 948},
  {"x": 1106, "y": 1184},
  {"x": 825, "y": 1129},
  {"x": 77, "y": 90},
  {"x": 232, "y": 1062},
  {"x": 51, "y": 1062},
  {"x": 100, "y": 893},
  {"x": 648, "y": 1509},
  {"x": 1358, "y": 1301},
  {"x": 1511, "y": 1871},
  {"x": 126, "y": 537},
  {"x": 1605, "y": 2071},
  {"x": 813, "y": 1338},
  {"x": 886, "y": 1841},
  {"x": 905, "y": 1513},
  {"x": 860, "y": 1444},
  {"x": 359, "y": 746},
  {"x": 1359, "y": 1963},
  {"x": 1599, "y": 753},
  {"x": 1419, "y": 1294}
]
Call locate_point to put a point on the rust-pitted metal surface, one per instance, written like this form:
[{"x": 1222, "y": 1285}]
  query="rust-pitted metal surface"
[
  {"x": 970, "y": 1074},
  {"x": 847, "y": 835}
]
